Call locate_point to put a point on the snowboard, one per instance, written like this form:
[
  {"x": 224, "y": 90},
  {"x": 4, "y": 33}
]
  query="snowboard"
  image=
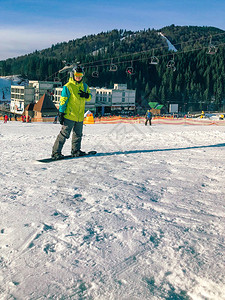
[{"x": 66, "y": 157}]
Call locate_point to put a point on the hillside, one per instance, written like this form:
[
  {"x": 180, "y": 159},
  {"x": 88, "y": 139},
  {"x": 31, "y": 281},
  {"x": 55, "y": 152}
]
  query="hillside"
[{"x": 194, "y": 78}]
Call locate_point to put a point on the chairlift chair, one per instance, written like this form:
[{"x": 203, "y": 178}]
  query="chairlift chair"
[
  {"x": 95, "y": 74},
  {"x": 113, "y": 68},
  {"x": 154, "y": 60},
  {"x": 171, "y": 65},
  {"x": 212, "y": 49},
  {"x": 130, "y": 70}
]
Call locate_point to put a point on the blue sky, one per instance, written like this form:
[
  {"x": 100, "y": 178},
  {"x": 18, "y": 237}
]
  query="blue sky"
[{"x": 29, "y": 25}]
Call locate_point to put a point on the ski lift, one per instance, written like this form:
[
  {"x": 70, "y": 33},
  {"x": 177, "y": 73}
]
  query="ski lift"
[
  {"x": 212, "y": 49},
  {"x": 130, "y": 70},
  {"x": 154, "y": 60},
  {"x": 113, "y": 67},
  {"x": 171, "y": 64},
  {"x": 66, "y": 69},
  {"x": 95, "y": 73}
]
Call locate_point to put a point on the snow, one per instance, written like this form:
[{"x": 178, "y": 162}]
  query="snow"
[
  {"x": 143, "y": 219},
  {"x": 170, "y": 45}
]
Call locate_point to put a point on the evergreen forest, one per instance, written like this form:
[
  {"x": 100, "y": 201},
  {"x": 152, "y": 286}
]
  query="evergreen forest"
[{"x": 193, "y": 75}]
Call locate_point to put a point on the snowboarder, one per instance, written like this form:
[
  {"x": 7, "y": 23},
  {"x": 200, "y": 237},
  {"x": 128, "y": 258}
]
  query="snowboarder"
[
  {"x": 71, "y": 114},
  {"x": 148, "y": 118}
]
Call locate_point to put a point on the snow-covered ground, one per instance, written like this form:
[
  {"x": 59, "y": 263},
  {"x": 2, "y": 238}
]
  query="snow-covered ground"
[{"x": 143, "y": 219}]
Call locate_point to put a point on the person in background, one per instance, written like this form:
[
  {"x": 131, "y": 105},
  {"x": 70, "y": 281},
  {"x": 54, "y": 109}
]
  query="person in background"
[
  {"x": 71, "y": 114},
  {"x": 148, "y": 118},
  {"x": 55, "y": 120},
  {"x": 6, "y": 118}
]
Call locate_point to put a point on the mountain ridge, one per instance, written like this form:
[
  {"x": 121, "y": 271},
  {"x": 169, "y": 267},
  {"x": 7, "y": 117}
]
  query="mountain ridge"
[{"x": 189, "y": 76}]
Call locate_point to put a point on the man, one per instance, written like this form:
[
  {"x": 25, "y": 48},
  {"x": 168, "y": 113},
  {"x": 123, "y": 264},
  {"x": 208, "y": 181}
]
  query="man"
[
  {"x": 148, "y": 118},
  {"x": 71, "y": 114}
]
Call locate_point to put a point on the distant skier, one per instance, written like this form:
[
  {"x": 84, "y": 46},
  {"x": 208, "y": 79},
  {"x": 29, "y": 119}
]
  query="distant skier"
[
  {"x": 148, "y": 118},
  {"x": 71, "y": 114},
  {"x": 6, "y": 118},
  {"x": 55, "y": 120}
]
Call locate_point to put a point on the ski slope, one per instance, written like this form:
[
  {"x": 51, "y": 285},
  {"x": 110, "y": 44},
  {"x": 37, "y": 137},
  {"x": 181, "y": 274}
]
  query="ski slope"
[{"x": 143, "y": 219}]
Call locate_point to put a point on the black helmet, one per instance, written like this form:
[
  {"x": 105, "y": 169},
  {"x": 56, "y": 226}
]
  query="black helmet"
[{"x": 78, "y": 71}]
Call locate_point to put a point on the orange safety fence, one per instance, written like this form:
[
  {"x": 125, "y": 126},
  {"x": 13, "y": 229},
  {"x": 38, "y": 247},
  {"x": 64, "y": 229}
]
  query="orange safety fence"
[
  {"x": 136, "y": 120},
  {"x": 187, "y": 121},
  {"x": 160, "y": 120}
]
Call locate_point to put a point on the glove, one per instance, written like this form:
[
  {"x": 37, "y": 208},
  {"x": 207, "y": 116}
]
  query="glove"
[
  {"x": 61, "y": 118},
  {"x": 83, "y": 94}
]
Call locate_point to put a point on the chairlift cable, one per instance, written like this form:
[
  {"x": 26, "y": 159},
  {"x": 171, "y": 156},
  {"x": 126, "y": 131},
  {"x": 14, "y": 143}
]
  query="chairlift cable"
[{"x": 147, "y": 51}]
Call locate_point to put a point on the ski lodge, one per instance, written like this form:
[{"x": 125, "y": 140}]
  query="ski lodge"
[{"x": 25, "y": 99}]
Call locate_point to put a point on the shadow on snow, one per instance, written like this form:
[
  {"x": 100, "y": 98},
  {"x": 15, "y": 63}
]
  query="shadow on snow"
[{"x": 158, "y": 150}]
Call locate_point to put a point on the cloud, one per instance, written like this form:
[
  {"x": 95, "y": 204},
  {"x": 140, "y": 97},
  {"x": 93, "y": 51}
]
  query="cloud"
[{"x": 16, "y": 41}]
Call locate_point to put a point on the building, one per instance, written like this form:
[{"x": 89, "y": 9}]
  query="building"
[
  {"x": 116, "y": 100},
  {"x": 43, "y": 108},
  {"x": 21, "y": 96},
  {"x": 106, "y": 101},
  {"x": 119, "y": 99},
  {"x": 122, "y": 98},
  {"x": 89, "y": 105},
  {"x": 43, "y": 87}
]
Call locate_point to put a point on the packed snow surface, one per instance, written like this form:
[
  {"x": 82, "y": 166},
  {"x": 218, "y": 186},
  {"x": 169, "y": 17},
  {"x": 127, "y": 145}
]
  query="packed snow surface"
[{"x": 143, "y": 219}]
